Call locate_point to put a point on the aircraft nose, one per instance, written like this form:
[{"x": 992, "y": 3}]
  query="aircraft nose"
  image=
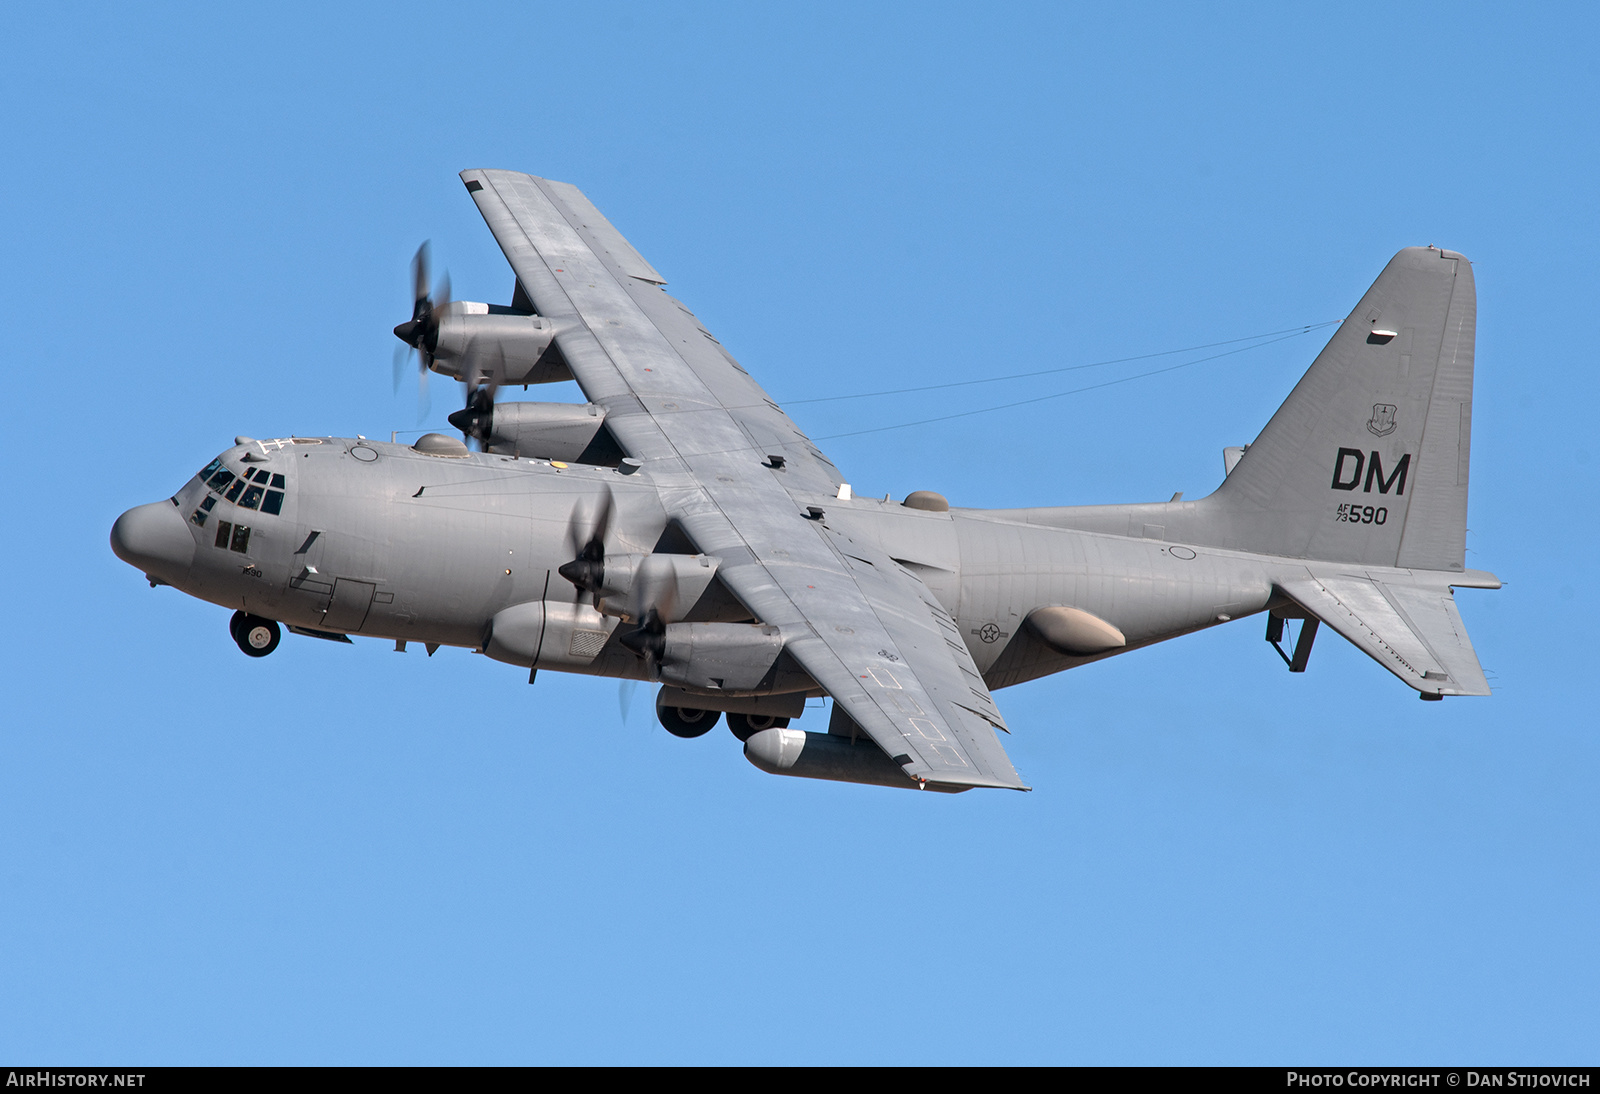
[{"x": 155, "y": 538}]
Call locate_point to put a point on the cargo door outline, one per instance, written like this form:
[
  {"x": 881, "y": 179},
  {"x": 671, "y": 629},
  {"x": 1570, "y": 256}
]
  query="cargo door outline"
[{"x": 347, "y": 608}]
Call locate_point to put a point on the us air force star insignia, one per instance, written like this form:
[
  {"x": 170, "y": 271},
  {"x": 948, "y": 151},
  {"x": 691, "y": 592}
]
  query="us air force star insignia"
[
  {"x": 989, "y": 632},
  {"x": 1382, "y": 422}
]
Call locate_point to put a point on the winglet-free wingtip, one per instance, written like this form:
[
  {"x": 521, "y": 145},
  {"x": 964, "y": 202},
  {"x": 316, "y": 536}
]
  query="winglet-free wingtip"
[{"x": 972, "y": 784}]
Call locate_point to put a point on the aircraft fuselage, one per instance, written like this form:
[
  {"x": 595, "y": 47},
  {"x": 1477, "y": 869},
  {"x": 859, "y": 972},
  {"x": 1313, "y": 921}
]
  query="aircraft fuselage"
[{"x": 379, "y": 539}]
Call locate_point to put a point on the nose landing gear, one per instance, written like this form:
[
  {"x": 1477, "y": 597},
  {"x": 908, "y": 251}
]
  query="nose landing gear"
[{"x": 257, "y": 637}]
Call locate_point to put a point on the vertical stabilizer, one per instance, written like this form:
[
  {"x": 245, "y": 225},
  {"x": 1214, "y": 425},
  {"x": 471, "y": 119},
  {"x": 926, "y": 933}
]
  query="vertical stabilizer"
[{"x": 1366, "y": 461}]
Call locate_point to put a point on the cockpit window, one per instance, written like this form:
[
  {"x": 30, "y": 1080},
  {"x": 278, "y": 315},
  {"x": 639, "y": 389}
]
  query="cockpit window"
[
  {"x": 199, "y": 516},
  {"x": 224, "y": 528},
  {"x": 241, "y": 538},
  {"x": 248, "y": 490}
]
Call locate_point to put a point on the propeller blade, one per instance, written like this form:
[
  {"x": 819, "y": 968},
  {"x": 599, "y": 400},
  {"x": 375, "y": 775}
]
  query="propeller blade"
[
  {"x": 655, "y": 589},
  {"x": 419, "y": 279},
  {"x": 625, "y": 690},
  {"x": 602, "y": 524},
  {"x": 586, "y": 536},
  {"x": 430, "y": 335},
  {"x": 400, "y": 355},
  {"x": 652, "y": 602},
  {"x": 476, "y": 421},
  {"x": 421, "y": 331},
  {"x": 649, "y": 642}
]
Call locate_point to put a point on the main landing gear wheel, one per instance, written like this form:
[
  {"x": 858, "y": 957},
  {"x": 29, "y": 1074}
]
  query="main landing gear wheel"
[
  {"x": 257, "y": 637},
  {"x": 686, "y": 721},
  {"x": 743, "y": 725}
]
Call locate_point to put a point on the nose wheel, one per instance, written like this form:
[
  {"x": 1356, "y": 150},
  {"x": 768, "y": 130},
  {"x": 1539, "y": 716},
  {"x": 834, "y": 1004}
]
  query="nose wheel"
[{"x": 257, "y": 637}]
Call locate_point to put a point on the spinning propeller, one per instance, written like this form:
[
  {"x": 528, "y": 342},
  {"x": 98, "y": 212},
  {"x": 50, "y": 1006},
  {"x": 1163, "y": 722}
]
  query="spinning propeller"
[
  {"x": 476, "y": 420},
  {"x": 651, "y": 603},
  {"x": 652, "y": 593},
  {"x": 421, "y": 331},
  {"x": 586, "y": 535}
]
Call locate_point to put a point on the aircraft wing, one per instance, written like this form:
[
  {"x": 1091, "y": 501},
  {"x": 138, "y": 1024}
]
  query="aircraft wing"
[
  {"x": 873, "y": 636},
  {"x": 865, "y": 629}
]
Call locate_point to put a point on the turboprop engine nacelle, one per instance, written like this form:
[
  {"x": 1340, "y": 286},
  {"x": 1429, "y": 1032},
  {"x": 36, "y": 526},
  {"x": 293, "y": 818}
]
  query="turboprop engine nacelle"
[
  {"x": 572, "y": 432},
  {"x": 548, "y": 634},
  {"x": 686, "y": 576},
  {"x": 483, "y": 343},
  {"x": 725, "y": 657}
]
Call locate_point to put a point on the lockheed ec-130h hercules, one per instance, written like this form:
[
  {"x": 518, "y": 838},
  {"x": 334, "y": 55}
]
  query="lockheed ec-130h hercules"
[{"x": 678, "y": 527}]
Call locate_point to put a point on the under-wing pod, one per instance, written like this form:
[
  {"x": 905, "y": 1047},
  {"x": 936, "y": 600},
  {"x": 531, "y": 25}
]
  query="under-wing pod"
[
  {"x": 486, "y": 344},
  {"x": 830, "y": 756}
]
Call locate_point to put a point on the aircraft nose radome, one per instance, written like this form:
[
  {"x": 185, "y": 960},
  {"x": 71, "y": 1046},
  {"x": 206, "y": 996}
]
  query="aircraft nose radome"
[{"x": 155, "y": 538}]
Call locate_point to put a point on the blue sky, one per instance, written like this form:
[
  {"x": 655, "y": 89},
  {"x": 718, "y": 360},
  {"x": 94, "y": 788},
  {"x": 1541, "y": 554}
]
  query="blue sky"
[{"x": 345, "y": 855}]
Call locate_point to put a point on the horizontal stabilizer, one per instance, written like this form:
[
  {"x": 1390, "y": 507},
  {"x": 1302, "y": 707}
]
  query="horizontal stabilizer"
[{"x": 1407, "y": 624}]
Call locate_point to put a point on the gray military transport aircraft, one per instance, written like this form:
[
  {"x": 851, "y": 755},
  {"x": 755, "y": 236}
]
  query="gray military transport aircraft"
[{"x": 679, "y": 528}]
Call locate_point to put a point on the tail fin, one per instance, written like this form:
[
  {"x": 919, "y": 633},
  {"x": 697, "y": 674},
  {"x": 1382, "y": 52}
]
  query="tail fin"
[{"x": 1366, "y": 461}]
